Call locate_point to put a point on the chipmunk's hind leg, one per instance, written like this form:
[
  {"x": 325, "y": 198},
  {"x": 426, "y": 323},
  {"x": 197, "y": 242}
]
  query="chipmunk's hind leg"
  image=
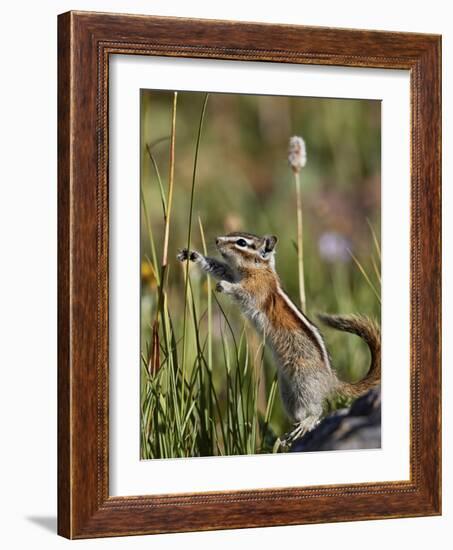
[
  {"x": 305, "y": 418},
  {"x": 302, "y": 406}
]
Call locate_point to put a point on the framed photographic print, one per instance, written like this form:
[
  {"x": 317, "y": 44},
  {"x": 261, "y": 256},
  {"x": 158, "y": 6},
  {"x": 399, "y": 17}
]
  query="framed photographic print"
[{"x": 249, "y": 275}]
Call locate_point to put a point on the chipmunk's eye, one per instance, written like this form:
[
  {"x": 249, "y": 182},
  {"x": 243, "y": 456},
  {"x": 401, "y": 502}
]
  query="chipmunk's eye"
[{"x": 241, "y": 242}]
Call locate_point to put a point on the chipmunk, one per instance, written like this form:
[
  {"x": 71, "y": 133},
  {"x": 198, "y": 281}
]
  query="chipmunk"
[{"x": 305, "y": 374}]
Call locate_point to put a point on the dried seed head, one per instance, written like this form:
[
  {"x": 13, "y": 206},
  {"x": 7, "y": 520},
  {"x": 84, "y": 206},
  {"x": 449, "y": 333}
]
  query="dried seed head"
[{"x": 297, "y": 154}]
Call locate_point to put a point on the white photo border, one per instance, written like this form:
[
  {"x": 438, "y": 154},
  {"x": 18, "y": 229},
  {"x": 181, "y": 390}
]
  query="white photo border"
[{"x": 128, "y": 474}]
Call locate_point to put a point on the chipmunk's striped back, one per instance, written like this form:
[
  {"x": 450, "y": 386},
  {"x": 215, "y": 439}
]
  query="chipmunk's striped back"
[{"x": 311, "y": 329}]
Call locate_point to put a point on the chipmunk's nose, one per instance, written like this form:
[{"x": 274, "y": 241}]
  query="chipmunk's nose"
[{"x": 217, "y": 241}]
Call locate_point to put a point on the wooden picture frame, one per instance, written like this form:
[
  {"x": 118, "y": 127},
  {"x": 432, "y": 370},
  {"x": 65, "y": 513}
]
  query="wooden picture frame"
[{"x": 85, "y": 42}]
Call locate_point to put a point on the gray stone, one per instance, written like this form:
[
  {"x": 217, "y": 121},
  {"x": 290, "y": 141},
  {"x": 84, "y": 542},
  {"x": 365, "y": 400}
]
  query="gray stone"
[{"x": 358, "y": 427}]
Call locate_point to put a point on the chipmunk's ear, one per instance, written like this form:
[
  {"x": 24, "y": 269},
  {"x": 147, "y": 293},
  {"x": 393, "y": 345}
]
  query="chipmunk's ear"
[{"x": 269, "y": 243}]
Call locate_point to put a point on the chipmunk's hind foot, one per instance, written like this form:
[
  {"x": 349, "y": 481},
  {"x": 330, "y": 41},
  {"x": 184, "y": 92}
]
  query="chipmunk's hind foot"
[{"x": 299, "y": 430}]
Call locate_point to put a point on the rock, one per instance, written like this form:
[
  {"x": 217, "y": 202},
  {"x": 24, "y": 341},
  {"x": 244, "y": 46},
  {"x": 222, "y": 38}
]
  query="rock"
[{"x": 358, "y": 427}]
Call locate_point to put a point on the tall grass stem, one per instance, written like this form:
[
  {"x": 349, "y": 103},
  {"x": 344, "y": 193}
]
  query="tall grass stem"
[
  {"x": 209, "y": 285},
  {"x": 171, "y": 178},
  {"x": 155, "y": 356},
  {"x": 189, "y": 235},
  {"x": 300, "y": 243}
]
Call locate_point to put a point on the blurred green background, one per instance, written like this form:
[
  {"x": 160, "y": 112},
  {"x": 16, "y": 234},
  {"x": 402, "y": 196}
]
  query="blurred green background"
[{"x": 244, "y": 183}]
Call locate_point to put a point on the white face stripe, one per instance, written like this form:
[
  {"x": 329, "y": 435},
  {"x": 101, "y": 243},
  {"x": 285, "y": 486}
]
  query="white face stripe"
[
  {"x": 236, "y": 238},
  {"x": 253, "y": 251},
  {"x": 310, "y": 327}
]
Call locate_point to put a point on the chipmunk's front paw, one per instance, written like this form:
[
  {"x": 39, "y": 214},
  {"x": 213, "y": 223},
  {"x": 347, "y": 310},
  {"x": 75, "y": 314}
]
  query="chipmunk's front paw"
[
  {"x": 184, "y": 255},
  {"x": 223, "y": 286}
]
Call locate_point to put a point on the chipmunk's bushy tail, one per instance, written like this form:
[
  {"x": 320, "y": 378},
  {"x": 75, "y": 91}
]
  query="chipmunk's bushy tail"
[{"x": 368, "y": 330}]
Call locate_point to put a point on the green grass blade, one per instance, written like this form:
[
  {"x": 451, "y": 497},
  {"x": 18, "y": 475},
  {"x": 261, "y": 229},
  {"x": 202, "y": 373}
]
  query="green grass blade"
[
  {"x": 189, "y": 226},
  {"x": 150, "y": 237},
  {"x": 159, "y": 180},
  {"x": 365, "y": 274}
]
